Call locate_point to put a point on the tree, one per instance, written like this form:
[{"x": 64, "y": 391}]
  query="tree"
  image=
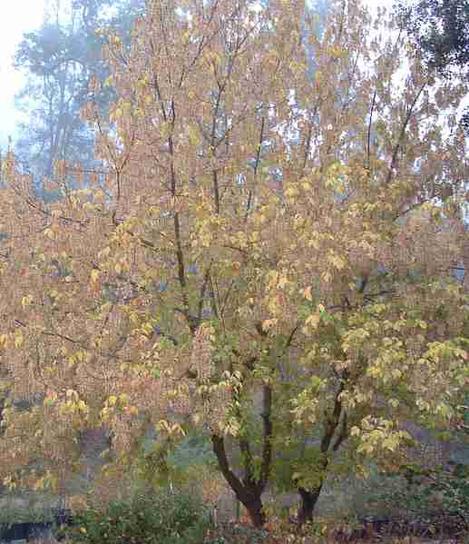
[
  {"x": 440, "y": 29},
  {"x": 59, "y": 59},
  {"x": 266, "y": 256}
]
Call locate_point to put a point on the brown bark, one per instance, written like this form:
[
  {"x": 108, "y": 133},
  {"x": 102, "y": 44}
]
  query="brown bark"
[
  {"x": 309, "y": 497},
  {"x": 248, "y": 492},
  {"x": 255, "y": 510},
  {"x": 249, "y": 488}
]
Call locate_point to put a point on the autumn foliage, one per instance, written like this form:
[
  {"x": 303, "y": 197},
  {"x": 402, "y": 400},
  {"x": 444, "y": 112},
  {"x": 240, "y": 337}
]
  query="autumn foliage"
[{"x": 268, "y": 254}]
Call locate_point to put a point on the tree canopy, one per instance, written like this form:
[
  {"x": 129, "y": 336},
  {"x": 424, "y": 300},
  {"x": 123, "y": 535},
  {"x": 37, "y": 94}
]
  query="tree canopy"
[{"x": 267, "y": 255}]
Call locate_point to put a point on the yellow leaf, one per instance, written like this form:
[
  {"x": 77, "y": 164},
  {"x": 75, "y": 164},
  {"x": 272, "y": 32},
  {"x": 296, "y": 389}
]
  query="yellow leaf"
[
  {"x": 283, "y": 282},
  {"x": 354, "y": 431},
  {"x": 194, "y": 136},
  {"x": 71, "y": 360},
  {"x": 82, "y": 407},
  {"x": 94, "y": 275},
  {"x": 307, "y": 294},
  {"x": 49, "y": 233},
  {"x": 313, "y": 321},
  {"x": 336, "y": 261},
  {"x": 19, "y": 339},
  {"x": 26, "y": 301}
]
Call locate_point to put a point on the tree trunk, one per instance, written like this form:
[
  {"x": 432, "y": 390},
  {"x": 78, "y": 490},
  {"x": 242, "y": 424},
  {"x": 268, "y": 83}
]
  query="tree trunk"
[
  {"x": 338, "y": 418},
  {"x": 249, "y": 489},
  {"x": 308, "y": 503},
  {"x": 248, "y": 492},
  {"x": 255, "y": 510}
]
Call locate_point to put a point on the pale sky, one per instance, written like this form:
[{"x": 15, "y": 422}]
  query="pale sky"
[{"x": 18, "y": 17}]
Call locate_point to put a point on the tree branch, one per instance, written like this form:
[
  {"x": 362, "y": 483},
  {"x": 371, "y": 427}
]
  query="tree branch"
[
  {"x": 400, "y": 140},
  {"x": 218, "y": 444},
  {"x": 368, "y": 139},
  {"x": 266, "y": 415}
]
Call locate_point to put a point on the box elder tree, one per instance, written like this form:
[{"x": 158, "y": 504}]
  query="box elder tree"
[{"x": 268, "y": 254}]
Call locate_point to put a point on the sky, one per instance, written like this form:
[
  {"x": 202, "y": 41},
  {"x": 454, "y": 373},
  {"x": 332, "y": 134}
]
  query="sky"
[{"x": 18, "y": 17}]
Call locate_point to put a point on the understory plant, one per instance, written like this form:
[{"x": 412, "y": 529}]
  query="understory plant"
[{"x": 162, "y": 517}]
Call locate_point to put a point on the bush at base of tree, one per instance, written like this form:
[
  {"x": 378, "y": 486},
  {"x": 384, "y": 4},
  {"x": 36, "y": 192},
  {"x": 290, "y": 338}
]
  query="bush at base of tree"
[
  {"x": 434, "y": 500},
  {"x": 163, "y": 518}
]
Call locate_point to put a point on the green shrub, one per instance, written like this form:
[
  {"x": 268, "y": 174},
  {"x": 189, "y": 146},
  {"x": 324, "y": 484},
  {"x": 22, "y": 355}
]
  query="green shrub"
[
  {"x": 440, "y": 495},
  {"x": 9, "y": 515},
  {"x": 163, "y": 518},
  {"x": 238, "y": 534},
  {"x": 436, "y": 497}
]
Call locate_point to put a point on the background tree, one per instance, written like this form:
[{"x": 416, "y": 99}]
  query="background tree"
[
  {"x": 440, "y": 29},
  {"x": 60, "y": 59},
  {"x": 266, "y": 256}
]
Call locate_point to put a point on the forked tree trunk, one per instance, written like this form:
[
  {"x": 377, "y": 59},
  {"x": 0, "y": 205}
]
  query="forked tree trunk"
[
  {"x": 248, "y": 492},
  {"x": 337, "y": 421},
  {"x": 249, "y": 489}
]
